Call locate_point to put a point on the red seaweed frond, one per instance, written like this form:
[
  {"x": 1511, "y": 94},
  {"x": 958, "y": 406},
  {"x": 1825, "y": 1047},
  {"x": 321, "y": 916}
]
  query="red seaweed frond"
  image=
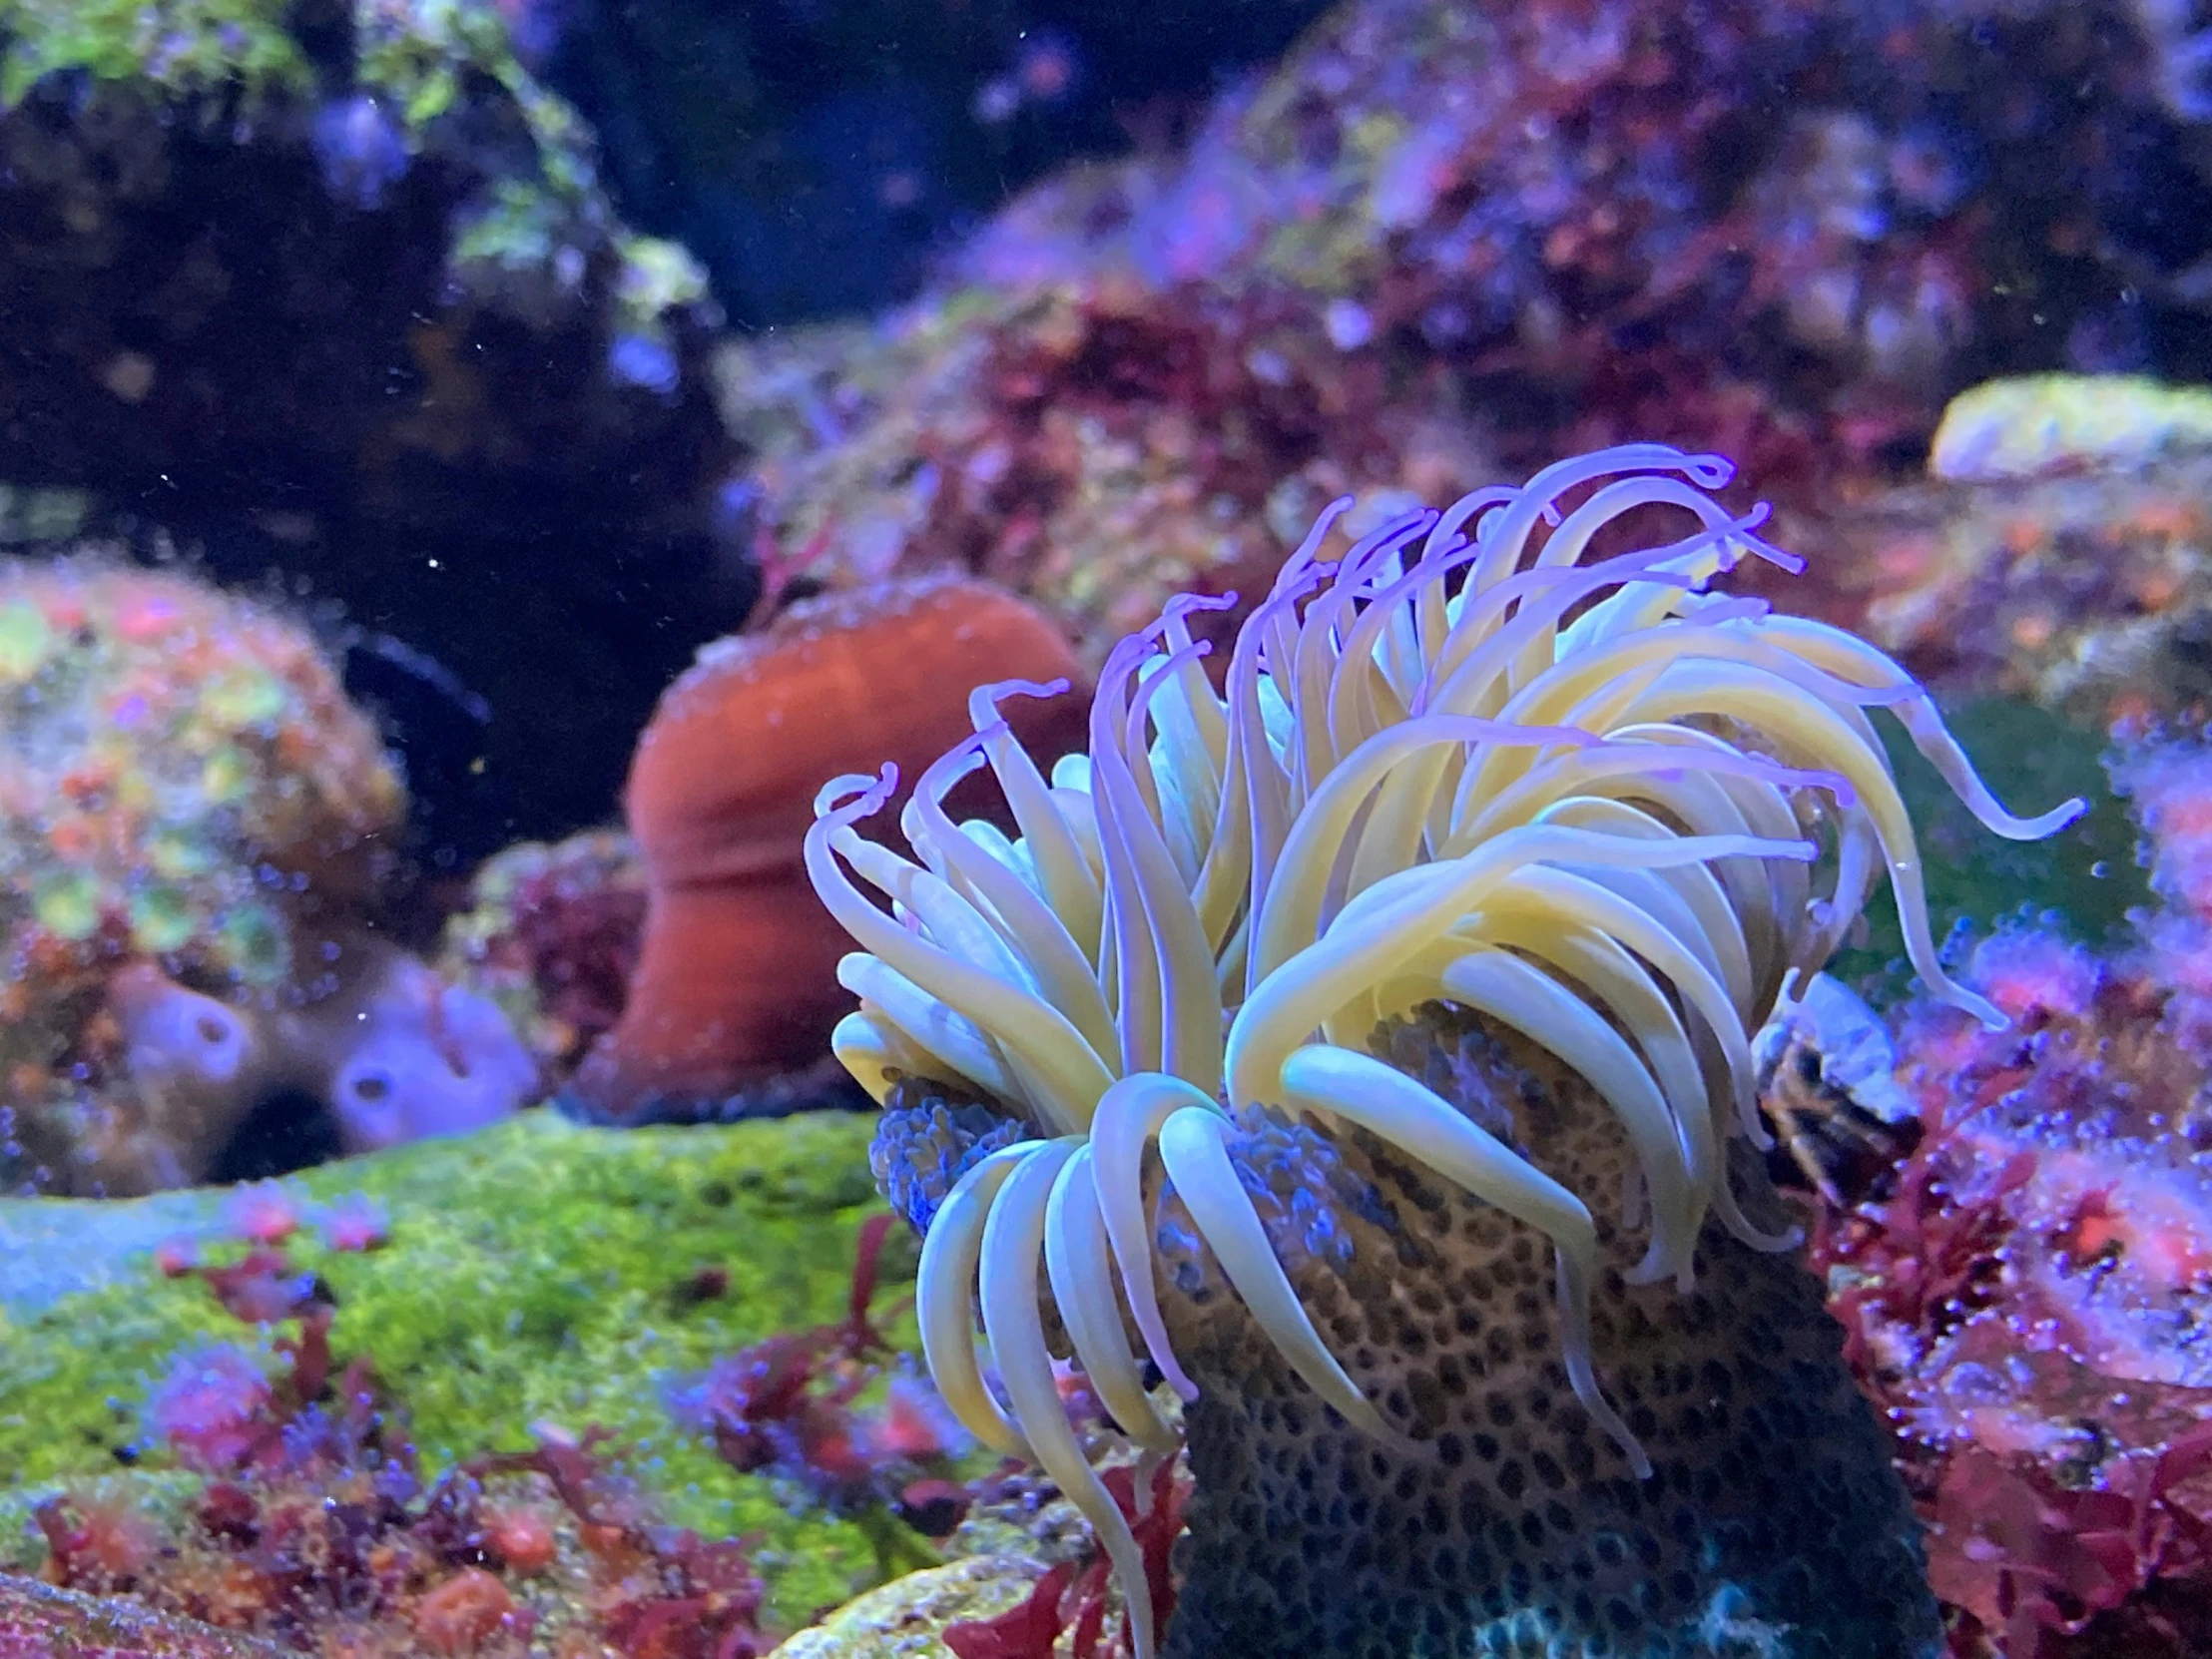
[
  {"x": 1073, "y": 1595},
  {"x": 789, "y": 1403},
  {"x": 2032, "y": 1560}
]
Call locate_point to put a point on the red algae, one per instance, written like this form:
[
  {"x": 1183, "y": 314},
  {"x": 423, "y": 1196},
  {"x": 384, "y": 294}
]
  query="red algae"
[
  {"x": 2026, "y": 1293},
  {"x": 792, "y": 1403},
  {"x": 550, "y": 933},
  {"x": 1071, "y": 1599}
]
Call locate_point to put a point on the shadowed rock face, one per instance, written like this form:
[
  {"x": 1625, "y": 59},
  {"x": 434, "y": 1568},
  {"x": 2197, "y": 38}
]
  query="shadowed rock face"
[
  {"x": 1773, "y": 1527},
  {"x": 275, "y": 294}
]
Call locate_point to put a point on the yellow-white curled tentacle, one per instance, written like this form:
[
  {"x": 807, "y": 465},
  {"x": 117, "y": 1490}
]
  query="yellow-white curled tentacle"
[
  {"x": 1079, "y": 1263},
  {"x": 1013, "y": 1237},
  {"x": 944, "y": 1298}
]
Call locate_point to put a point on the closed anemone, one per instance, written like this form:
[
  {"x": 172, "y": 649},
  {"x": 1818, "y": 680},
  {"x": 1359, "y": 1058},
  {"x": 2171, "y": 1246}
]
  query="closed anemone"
[{"x": 1586, "y": 797}]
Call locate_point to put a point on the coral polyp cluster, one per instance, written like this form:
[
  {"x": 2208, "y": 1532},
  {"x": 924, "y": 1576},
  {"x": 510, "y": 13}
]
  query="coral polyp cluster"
[
  {"x": 193, "y": 822},
  {"x": 163, "y": 740},
  {"x": 1604, "y": 814},
  {"x": 182, "y": 775}
]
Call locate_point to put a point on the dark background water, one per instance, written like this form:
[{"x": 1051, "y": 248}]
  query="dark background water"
[{"x": 813, "y": 154}]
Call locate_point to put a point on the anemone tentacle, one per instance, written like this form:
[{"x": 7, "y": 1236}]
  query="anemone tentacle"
[{"x": 1457, "y": 764}]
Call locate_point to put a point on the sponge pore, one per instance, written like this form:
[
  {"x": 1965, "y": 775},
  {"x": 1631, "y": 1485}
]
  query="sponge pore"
[{"x": 423, "y": 1058}]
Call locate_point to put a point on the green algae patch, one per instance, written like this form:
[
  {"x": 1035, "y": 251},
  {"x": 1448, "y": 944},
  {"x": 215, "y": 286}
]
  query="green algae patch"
[
  {"x": 538, "y": 1272},
  {"x": 2031, "y": 759},
  {"x": 181, "y": 46}
]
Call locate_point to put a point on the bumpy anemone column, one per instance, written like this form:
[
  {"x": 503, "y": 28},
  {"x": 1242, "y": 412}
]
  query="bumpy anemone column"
[
  {"x": 1501, "y": 1520},
  {"x": 1461, "y": 777}
]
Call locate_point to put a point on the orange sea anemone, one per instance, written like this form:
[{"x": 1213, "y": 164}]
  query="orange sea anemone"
[{"x": 737, "y": 976}]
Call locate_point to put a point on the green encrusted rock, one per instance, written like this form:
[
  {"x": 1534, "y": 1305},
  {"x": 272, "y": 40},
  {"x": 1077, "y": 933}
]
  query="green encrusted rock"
[
  {"x": 268, "y": 82},
  {"x": 2029, "y": 757},
  {"x": 353, "y": 256},
  {"x": 537, "y": 1271},
  {"x": 907, "y": 1619},
  {"x": 183, "y": 46}
]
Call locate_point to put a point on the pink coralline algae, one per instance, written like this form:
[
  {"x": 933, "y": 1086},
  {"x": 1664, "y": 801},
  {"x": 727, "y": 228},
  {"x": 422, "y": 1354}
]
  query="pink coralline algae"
[
  {"x": 2171, "y": 786},
  {"x": 39, "y": 1621},
  {"x": 2028, "y": 1293}
]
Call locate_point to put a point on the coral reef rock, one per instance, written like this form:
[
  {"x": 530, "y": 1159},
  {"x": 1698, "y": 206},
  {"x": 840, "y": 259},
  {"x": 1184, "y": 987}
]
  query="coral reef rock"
[
  {"x": 2063, "y": 558},
  {"x": 1439, "y": 240},
  {"x": 335, "y": 288},
  {"x": 907, "y": 1619},
  {"x": 1095, "y": 448},
  {"x": 2043, "y": 423},
  {"x": 39, "y": 1621},
  {"x": 2022, "y": 1278},
  {"x": 193, "y": 824}
]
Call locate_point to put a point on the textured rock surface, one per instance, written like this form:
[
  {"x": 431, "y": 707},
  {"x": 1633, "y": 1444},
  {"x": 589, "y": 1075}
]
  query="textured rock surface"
[
  {"x": 38, "y": 1621},
  {"x": 2088, "y": 592},
  {"x": 906, "y": 1619}
]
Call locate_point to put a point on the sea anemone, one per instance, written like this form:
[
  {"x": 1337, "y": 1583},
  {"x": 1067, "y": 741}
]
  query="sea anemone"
[
  {"x": 1598, "y": 813},
  {"x": 736, "y": 977}
]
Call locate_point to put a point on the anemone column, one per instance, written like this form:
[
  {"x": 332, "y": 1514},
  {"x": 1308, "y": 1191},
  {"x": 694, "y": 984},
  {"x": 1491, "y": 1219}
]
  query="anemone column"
[{"x": 1506, "y": 1521}]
